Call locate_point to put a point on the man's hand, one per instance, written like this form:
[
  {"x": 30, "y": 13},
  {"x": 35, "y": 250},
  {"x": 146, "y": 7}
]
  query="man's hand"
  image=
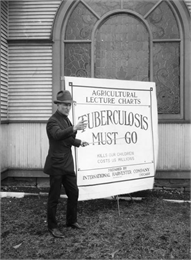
[
  {"x": 81, "y": 125},
  {"x": 84, "y": 143}
]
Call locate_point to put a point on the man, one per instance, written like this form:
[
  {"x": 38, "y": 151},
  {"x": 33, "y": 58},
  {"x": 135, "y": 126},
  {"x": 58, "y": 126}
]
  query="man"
[{"x": 59, "y": 162}]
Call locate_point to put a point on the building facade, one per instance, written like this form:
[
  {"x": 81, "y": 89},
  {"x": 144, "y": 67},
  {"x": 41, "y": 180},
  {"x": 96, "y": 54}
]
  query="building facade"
[{"x": 43, "y": 41}]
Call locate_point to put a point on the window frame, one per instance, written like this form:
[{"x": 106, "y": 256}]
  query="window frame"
[{"x": 181, "y": 14}]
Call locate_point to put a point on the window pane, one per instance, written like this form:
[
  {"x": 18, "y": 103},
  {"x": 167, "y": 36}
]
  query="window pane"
[
  {"x": 139, "y": 6},
  {"x": 103, "y": 6},
  {"x": 80, "y": 24},
  {"x": 166, "y": 61},
  {"x": 122, "y": 49},
  {"x": 77, "y": 60},
  {"x": 163, "y": 23}
]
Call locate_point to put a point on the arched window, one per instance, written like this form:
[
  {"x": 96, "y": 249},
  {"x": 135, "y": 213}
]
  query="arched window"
[{"x": 140, "y": 40}]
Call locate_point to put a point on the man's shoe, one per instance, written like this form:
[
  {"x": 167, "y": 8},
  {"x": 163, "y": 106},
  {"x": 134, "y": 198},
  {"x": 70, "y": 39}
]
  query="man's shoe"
[
  {"x": 56, "y": 233},
  {"x": 74, "y": 225}
]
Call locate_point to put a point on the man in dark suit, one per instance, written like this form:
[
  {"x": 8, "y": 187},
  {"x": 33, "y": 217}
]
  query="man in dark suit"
[{"x": 59, "y": 162}]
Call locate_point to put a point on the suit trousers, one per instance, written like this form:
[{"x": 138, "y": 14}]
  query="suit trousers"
[{"x": 69, "y": 182}]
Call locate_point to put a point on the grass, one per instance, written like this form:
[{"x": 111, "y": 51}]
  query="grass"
[{"x": 148, "y": 229}]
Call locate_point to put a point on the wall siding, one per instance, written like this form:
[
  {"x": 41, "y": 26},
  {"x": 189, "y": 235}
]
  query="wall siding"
[
  {"x": 31, "y": 19},
  {"x": 28, "y": 146},
  {"x": 4, "y": 61},
  {"x": 174, "y": 147},
  {"x": 30, "y": 82},
  {"x": 30, "y": 63},
  {"x": 3, "y": 147},
  {"x": 188, "y": 3}
]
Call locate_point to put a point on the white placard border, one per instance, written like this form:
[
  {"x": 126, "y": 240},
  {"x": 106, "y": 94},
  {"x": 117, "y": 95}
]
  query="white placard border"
[{"x": 72, "y": 86}]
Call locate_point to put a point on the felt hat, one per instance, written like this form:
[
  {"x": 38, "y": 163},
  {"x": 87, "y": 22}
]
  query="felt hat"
[{"x": 63, "y": 96}]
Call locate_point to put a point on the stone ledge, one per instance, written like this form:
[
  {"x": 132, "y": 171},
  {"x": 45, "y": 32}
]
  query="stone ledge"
[
  {"x": 173, "y": 184},
  {"x": 36, "y": 178}
]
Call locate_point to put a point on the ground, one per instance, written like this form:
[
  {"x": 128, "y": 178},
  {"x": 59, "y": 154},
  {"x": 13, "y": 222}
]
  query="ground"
[{"x": 150, "y": 228}]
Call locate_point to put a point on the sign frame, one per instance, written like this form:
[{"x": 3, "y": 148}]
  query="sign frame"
[{"x": 91, "y": 187}]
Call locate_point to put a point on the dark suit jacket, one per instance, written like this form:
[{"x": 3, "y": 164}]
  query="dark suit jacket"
[{"x": 61, "y": 137}]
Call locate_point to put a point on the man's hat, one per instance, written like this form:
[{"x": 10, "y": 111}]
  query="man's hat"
[{"x": 63, "y": 96}]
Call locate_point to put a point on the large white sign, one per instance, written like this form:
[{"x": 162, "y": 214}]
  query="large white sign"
[{"x": 122, "y": 132}]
